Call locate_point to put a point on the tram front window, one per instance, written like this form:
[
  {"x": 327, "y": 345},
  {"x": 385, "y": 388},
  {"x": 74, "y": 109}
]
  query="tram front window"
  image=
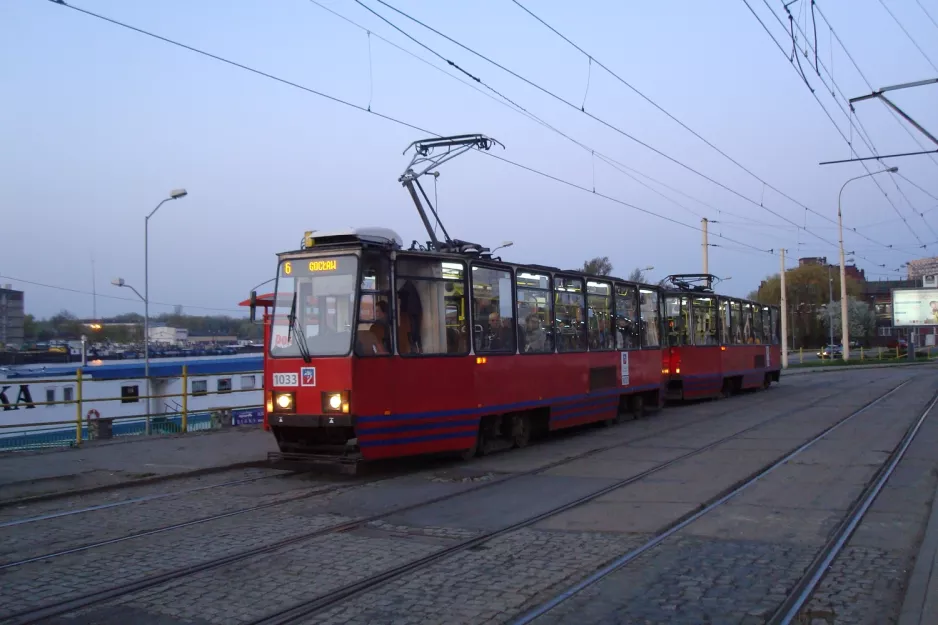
[{"x": 314, "y": 307}]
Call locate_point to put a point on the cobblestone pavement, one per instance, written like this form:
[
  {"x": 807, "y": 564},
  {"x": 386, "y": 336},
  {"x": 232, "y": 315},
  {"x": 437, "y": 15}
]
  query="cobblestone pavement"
[
  {"x": 522, "y": 566},
  {"x": 58, "y": 534},
  {"x": 127, "y": 459},
  {"x": 13, "y": 511},
  {"x": 705, "y": 576},
  {"x": 692, "y": 581},
  {"x": 33, "y": 585},
  {"x": 866, "y": 583}
]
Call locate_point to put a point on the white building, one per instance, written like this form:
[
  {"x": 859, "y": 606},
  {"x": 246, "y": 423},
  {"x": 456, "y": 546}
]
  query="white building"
[{"x": 170, "y": 336}]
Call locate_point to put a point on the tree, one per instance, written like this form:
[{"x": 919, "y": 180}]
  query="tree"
[
  {"x": 808, "y": 291},
  {"x": 30, "y": 327},
  {"x": 599, "y": 266},
  {"x": 65, "y": 325},
  {"x": 862, "y": 321},
  {"x": 637, "y": 275}
]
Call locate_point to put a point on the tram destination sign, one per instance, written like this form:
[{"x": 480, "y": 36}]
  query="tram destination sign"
[{"x": 914, "y": 307}]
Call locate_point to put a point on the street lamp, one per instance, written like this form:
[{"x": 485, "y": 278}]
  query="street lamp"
[
  {"x": 503, "y": 245},
  {"x": 175, "y": 194},
  {"x": 845, "y": 335}
]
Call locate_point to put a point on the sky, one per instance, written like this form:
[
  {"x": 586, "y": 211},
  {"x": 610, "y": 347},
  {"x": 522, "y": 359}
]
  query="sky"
[{"x": 99, "y": 123}]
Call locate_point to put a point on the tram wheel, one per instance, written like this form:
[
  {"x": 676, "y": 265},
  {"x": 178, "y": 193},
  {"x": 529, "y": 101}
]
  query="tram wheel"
[{"x": 520, "y": 430}]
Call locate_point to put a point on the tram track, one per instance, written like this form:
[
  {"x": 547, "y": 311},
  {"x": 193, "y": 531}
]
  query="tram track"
[
  {"x": 97, "y": 597},
  {"x": 301, "y": 611},
  {"x": 143, "y": 499},
  {"x": 330, "y": 490},
  {"x": 797, "y": 597}
]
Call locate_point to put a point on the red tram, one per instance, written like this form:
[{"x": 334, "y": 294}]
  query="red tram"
[
  {"x": 375, "y": 351},
  {"x": 382, "y": 352},
  {"x": 717, "y": 345}
]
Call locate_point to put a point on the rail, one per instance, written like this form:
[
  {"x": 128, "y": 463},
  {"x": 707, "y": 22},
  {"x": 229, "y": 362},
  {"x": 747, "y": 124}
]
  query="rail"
[{"x": 87, "y": 425}]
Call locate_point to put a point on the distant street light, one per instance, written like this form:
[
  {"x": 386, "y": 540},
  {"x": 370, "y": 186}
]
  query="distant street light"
[
  {"x": 845, "y": 334},
  {"x": 175, "y": 194}
]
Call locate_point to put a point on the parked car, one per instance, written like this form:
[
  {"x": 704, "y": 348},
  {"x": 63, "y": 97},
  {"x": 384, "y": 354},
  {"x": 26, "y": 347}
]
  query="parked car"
[{"x": 831, "y": 351}]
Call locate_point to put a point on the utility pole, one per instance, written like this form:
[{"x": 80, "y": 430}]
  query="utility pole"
[
  {"x": 830, "y": 307},
  {"x": 784, "y": 316},
  {"x": 703, "y": 228}
]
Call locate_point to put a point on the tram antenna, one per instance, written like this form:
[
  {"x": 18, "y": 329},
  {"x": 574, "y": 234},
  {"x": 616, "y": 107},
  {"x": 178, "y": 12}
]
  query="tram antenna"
[{"x": 423, "y": 161}]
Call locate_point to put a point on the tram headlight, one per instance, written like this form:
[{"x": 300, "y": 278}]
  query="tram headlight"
[
  {"x": 284, "y": 402},
  {"x": 335, "y": 401}
]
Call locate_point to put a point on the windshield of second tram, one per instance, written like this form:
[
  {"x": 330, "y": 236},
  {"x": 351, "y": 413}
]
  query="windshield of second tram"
[{"x": 314, "y": 303}]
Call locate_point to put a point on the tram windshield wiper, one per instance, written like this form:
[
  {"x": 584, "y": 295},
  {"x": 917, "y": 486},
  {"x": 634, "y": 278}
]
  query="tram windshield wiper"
[{"x": 294, "y": 328}]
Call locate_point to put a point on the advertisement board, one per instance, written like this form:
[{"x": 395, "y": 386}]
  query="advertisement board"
[{"x": 914, "y": 307}]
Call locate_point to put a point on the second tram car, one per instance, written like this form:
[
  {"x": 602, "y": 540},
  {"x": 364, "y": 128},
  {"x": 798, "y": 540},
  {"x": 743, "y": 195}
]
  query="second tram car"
[{"x": 717, "y": 345}]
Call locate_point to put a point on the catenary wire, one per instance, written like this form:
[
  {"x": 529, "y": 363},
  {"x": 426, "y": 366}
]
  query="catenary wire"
[
  {"x": 126, "y": 299},
  {"x": 907, "y": 34},
  {"x": 389, "y": 118},
  {"x": 671, "y": 116},
  {"x": 857, "y": 125},
  {"x": 587, "y": 113},
  {"x": 827, "y": 113}
]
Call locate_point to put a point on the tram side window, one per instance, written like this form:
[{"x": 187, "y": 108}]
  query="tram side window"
[
  {"x": 651, "y": 318},
  {"x": 705, "y": 321},
  {"x": 736, "y": 323},
  {"x": 627, "y": 320},
  {"x": 676, "y": 316},
  {"x": 535, "y": 335},
  {"x": 570, "y": 327},
  {"x": 773, "y": 315},
  {"x": 747, "y": 323},
  {"x": 725, "y": 326},
  {"x": 760, "y": 324},
  {"x": 599, "y": 315},
  {"x": 374, "y": 336},
  {"x": 431, "y": 307},
  {"x": 493, "y": 313}
]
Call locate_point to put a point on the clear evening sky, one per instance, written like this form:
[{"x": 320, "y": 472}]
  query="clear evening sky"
[{"x": 99, "y": 123}]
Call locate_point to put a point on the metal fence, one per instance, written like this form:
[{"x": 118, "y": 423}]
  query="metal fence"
[{"x": 85, "y": 426}]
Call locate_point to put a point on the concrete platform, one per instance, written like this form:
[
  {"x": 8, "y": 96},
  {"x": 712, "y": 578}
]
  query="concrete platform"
[{"x": 134, "y": 460}]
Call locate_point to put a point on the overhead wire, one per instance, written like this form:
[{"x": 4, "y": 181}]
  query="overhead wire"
[
  {"x": 117, "y": 297},
  {"x": 513, "y": 106},
  {"x": 927, "y": 14},
  {"x": 869, "y": 85},
  {"x": 827, "y": 113},
  {"x": 338, "y": 100},
  {"x": 696, "y": 134},
  {"x": 855, "y": 123},
  {"x": 671, "y": 116},
  {"x": 907, "y": 34},
  {"x": 869, "y": 141},
  {"x": 575, "y": 107}
]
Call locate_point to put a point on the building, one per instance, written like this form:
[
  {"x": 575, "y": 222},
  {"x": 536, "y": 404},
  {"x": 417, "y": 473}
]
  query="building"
[
  {"x": 813, "y": 260},
  {"x": 12, "y": 317},
  {"x": 922, "y": 267},
  {"x": 168, "y": 336},
  {"x": 213, "y": 339}
]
